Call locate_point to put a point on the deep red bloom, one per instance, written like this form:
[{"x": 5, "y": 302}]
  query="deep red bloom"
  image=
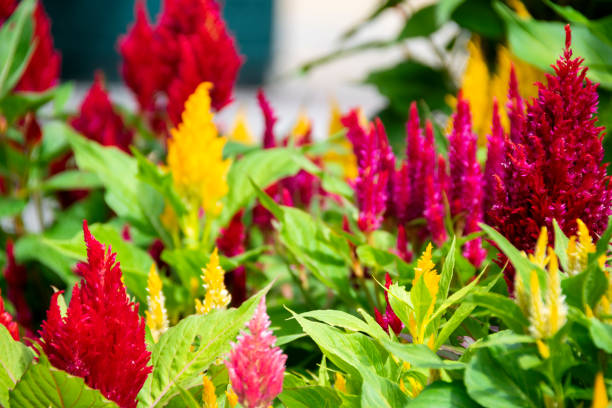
[
  {"x": 269, "y": 139},
  {"x": 43, "y": 69},
  {"x": 97, "y": 120},
  {"x": 16, "y": 281},
  {"x": 101, "y": 337},
  {"x": 554, "y": 168},
  {"x": 231, "y": 243},
  {"x": 389, "y": 319},
  {"x": 496, "y": 156},
  {"x": 189, "y": 45},
  {"x": 401, "y": 247},
  {"x": 7, "y": 320}
]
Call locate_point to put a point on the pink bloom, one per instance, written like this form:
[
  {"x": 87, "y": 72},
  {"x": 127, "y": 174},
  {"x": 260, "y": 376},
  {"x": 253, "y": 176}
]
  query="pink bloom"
[
  {"x": 101, "y": 337},
  {"x": 269, "y": 139},
  {"x": 401, "y": 249},
  {"x": 254, "y": 365},
  {"x": 389, "y": 319}
]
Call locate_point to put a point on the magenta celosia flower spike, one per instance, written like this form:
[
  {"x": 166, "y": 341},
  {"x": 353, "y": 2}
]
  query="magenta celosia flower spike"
[
  {"x": 255, "y": 366},
  {"x": 269, "y": 139},
  {"x": 101, "y": 336},
  {"x": 389, "y": 319},
  {"x": 473, "y": 206},
  {"x": 496, "y": 156}
]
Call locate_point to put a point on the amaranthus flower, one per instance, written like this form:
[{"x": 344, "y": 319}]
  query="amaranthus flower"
[
  {"x": 554, "y": 166},
  {"x": 101, "y": 337},
  {"x": 43, "y": 69},
  {"x": 231, "y": 243},
  {"x": 546, "y": 312},
  {"x": 97, "y": 119},
  {"x": 16, "y": 281},
  {"x": 156, "y": 315},
  {"x": 255, "y": 366},
  {"x": 189, "y": 45},
  {"x": 195, "y": 154},
  {"x": 7, "y": 320},
  {"x": 389, "y": 319},
  {"x": 217, "y": 296}
]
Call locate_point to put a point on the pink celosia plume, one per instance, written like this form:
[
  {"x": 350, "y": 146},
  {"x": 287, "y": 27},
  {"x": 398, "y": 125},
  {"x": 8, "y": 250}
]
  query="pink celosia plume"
[{"x": 255, "y": 366}]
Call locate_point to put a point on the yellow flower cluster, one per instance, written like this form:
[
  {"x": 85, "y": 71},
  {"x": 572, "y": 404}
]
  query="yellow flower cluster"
[
  {"x": 425, "y": 286},
  {"x": 217, "y": 296},
  {"x": 546, "y": 312},
  {"x": 578, "y": 249},
  {"x": 209, "y": 398},
  {"x": 240, "y": 131},
  {"x": 342, "y": 153},
  {"x": 195, "y": 154},
  {"x": 156, "y": 316},
  {"x": 481, "y": 86}
]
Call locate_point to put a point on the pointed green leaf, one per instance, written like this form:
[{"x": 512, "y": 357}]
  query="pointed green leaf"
[{"x": 15, "y": 358}]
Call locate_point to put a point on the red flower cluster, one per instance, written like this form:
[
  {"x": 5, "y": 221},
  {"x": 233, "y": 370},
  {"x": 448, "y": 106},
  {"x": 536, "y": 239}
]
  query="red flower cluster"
[
  {"x": 231, "y": 243},
  {"x": 189, "y": 45},
  {"x": 552, "y": 160},
  {"x": 7, "y": 320},
  {"x": 389, "y": 319},
  {"x": 97, "y": 120},
  {"x": 43, "y": 69},
  {"x": 101, "y": 336}
]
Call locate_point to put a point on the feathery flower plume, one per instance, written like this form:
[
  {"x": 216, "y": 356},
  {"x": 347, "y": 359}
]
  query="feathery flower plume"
[
  {"x": 209, "y": 398},
  {"x": 554, "y": 164},
  {"x": 389, "y": 319},
  {"x": 269, "y": 138},
  {"x": 401, "y": 249},
  {"x": 240, "y": 130},
  {"x": 189, "y": 45},
  {"x": 43, "y": 69},
  {"x": 232, "y": 398},
  {"x": 156, "y": 315},
  {"x": 600, "y": 393},
  {"x": 340, "y": 383},
  {"x": 16, "y": 281},
  {"x": 217, "y": 297},
  {"x": 578, "y": 249},
  {"x": 97, "y": 119},
  {"x": 425, "y": 287},
  {"x": 101, "y": 338},
  {"x": 496, "y": 156},
  {"x": 195, "y": 142},
  {"x": 7, "y": 320},
  {"x": 375, "y": 162},
  {"x": 254, "y": 364},
  {"x": 231, "y": 243}
]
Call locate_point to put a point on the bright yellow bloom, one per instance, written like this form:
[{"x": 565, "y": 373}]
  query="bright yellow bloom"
[
  {"x": 600, "y": 394},
  {"x": 543, "y": 349},
  {"x": 415, "y": 387},
  {"x": 424, "y": 274},
  {"x": 232, "y": 398},
  {"x": 195, "y": 154},
  {"x": 545, "y": 310},
  {"x": 217, "y": 296},
  {"x": 302, "y": 128},
  {"x": 209, "y": 398},
  {"x": 240, "y": 131},
  {"x": 481, "y": 86},
  {"x": 424, "y": 266},
  {"x": 340, "y": 383},
  {"x": 578, "y": 249},
  {"x": 342, "y": 153},
  {"x": 156, "y": 316}
]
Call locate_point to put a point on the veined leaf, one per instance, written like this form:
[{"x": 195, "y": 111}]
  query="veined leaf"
[
  {"x": 419, "y": 356},
  {"x": 188, "y": 348},
  {"x": 15, "y": 358},
  {"x": 444, "y": 395},
  {"x": 502, "y": 307},
  {"x": 561, "y": 242}
]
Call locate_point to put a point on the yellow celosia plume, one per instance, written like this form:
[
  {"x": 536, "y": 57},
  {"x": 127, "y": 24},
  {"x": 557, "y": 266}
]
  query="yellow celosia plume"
[
  {"x": 342, "y": 154},
  {"x": 209, "y": 398},
  {"x": 232, "y": 398},
  {"x": 600, "y": 394},
  {"x": 302, "y": 127},
  {"x": 156, "y": 316},
  {"x": 340, "y": 383},
  {"x": 195, "y": 154},
  {"x": 217, "y": 296},
  {"x": 240, "y": 131},
  {"x": 578, "y": 249},
  {"x": 424, "y": 291}
]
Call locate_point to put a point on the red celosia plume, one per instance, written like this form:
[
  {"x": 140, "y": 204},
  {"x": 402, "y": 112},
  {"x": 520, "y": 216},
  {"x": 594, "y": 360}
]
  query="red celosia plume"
[
  {"x": 101, "y": 336},
  {"x": 389, "y": 319},
  {"x": 7, "y": 320}
]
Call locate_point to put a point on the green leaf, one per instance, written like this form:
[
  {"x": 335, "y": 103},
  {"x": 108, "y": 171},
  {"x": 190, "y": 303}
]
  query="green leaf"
[
  {"x": 401, "y": 302},
  {"x": 263, "y": 167},
  {"x": 419, "y": 356},
  {"x": 561, "y": 242},
  {"x": 17, "y": 104},
  {"x": 444, "y": 395},
  {"x": 16, "y": 45},
  {"x": 502, "y": 307},
  {"x": 72, "y": 180},
  {"x": 423, "y": 23},
  {"x": 479, "y": 17},
  {"x": 42, "y": 386},
  {"x": 15, "y": 357},
  {"x": 11, "y": 206},
  {"x": 299, "y": 394},
  {"x": 190, "y": 347},
  {"x": 410, "y": 81},
  {"x": 446, "y": 276},
  {"x": 601, "y": 333},
  {"x": 445, "y": 9},
  {"x": 493, "y": 379},
  {"x": 346, "y": 321},
  {"x": 384, "y": 261}
]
